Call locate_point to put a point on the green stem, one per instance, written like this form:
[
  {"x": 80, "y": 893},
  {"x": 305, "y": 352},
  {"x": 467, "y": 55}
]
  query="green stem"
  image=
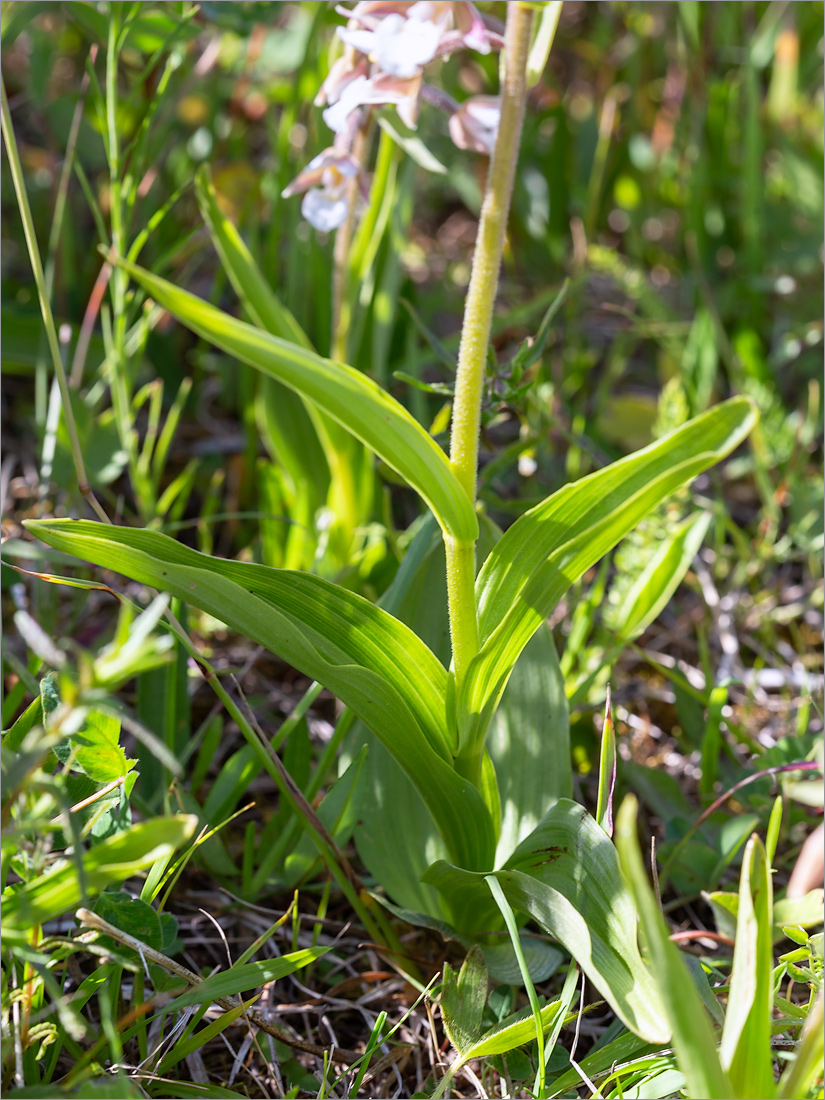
[
  {"x": 118, "y": 284},
  {"x": 341, "y": 304},
  {"x": 45, "y": 305},
  {"x": 475, "y": 332}
]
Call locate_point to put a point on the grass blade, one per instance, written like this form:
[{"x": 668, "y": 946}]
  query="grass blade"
[{"x": 693, "y": 1037}]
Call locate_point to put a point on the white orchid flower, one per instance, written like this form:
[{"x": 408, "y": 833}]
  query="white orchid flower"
[
  {"x": 342, "y": 73},
  {"x": 382, "y": 88},
  {"x": 325, "y": 205},
  {"x": 399, "y": 47}
]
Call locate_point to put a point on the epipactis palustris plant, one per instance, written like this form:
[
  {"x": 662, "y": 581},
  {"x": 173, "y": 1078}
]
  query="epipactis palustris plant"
[{"x": 454, "y": 808}]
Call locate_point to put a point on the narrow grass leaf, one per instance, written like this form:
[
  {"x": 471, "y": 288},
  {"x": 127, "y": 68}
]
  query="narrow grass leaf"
[
  {"x": 289, "y": 424},
  {"x": 746, "y": 1039},
  {"x": 693, "y": 1036},
  {"x": 607, "y": 770},
  {"x": 265, "y": 307},
  {"x": 512, "y": 928},
  {"x": 239, "y": 979}
]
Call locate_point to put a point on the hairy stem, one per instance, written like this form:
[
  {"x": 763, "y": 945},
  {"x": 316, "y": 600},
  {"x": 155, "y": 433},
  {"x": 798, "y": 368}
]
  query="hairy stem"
[{"x": 475, "y": 332}]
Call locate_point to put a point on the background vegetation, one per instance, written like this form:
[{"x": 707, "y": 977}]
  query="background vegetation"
[{"x": 671, "y": 169}]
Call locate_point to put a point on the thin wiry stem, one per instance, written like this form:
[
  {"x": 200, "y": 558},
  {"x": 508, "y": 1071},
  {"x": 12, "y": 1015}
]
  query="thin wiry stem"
[{"x": 45, "y": 306}]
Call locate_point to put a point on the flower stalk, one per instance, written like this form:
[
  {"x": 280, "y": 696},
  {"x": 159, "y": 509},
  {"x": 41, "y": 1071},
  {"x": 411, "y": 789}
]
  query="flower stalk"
[{"x": 475, "y": 337}]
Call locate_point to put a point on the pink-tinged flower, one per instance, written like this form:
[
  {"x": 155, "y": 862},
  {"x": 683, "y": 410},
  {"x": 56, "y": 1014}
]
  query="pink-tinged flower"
[
  {"x": 399, "y": 46},
  {"x": 342, "y": 73},
  {"x": 383, "y": 88},
  {"x": 370, "y": 11},
  {"x": 475, "y": 124},
  {"x": 325, "y": 179},
  {"x": 469, "y": 22}
]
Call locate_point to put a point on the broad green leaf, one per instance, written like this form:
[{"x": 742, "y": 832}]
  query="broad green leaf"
[
  {"x": 370, "y": 660},
  {"x": 349, "y": 397},
  {"x": 131, "y": 915},
  {"x": 693, "y": 1037},
  {"x": 399, "y": 857},
  {"x": 621, "y": 1050},
  {"x": 565, "y": 876},
  {"x": 529, "y": 743},
  {"x": 516, "y": 1031},
  {"x": 240, "y": 979},
  {"x": 98, "y": 751},
  {"x": 463, "y": 997},
  {"x": 110, "y": 862},
  {"x": 542, "y": 958},
  {"x": 803, "y": 912},
  {"x": 660, "y": 578},
  {"x": 548, "y": 548},
  {"x": 746, "y": 1039}
]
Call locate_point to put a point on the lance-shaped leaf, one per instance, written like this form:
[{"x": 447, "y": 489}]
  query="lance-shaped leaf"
[
  {"x": 566, "y": 876},
  {"x": 370, "y": 660},
  {"x": 746, "y": 1039},
  {"x": 349, "y": 397},
  {"x": 246, "y": 976},
  {"x": 550, "y": 547},
  {"x": 661, "y": 576},
  {"x": 693, "y": 1037}
]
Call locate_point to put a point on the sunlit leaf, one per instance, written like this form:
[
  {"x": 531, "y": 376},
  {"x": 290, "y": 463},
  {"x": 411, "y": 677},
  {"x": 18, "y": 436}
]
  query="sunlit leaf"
[
  {"x": 548, "y": 548},
  {"x": 374, "y": 663},
  {"x": 108, "y": 863},
  {"x": 693, "y": 1035},
  {"x": 746, "y": 1039},
  {"x": 348, "y": 396}
]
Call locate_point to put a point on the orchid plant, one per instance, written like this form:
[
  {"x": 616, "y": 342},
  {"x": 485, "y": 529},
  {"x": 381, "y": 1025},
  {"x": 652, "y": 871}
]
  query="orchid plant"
[{"x": 469, "y": 819}]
